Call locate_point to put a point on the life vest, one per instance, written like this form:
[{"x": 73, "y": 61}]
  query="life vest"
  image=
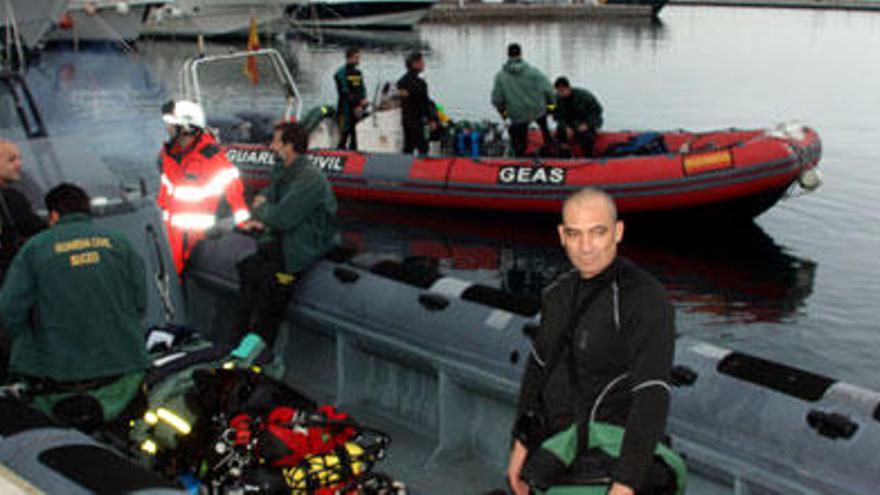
[{"x": 193, "y": 182}]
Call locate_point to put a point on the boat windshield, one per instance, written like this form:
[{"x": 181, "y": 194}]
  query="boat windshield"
[{"x": 235, "y": 85}]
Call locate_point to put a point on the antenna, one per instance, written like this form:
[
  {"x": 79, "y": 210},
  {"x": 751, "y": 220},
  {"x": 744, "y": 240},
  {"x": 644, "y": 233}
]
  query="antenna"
[{"x": 13, "y": 40}]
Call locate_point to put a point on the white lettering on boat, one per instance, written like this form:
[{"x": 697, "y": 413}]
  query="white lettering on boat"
[
  {"x": 250, "y": 157},
  {"x": 531, "y": 175},
  {"x": 329, "y": 163}
]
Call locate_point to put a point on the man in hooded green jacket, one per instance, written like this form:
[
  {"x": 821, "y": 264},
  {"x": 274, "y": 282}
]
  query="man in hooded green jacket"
[{"x": 522, "y": 94}]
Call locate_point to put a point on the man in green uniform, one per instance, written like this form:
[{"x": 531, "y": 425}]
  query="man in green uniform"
[
  {"x": 294, "y": 216},
  {"x": 72, "y": 304},
  {"x": 522, "y": 93},
  {"x": 352, "y": 98},
  {"x": 578, "y": 115}
]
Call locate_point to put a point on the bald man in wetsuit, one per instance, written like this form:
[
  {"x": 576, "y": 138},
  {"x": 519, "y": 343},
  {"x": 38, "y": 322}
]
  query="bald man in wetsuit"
[{"x": 618, "y": 326}]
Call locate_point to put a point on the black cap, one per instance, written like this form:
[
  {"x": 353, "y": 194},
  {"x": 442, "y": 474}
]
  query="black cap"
[
  {"x": 514, "y": 50},
  {"x": 562, "y": 82}
]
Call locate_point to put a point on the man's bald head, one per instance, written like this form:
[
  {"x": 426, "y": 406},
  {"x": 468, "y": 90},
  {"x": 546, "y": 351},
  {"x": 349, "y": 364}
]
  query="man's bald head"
[
  {"x": 590, "y": 197},
  {"x": 10, "y": 163},
  {"x": 590, "y": 231}
]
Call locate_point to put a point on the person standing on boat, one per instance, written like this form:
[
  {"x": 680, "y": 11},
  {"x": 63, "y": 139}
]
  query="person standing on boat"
[
  {"x": 578, "y": 115},
  {"x": 294, "y": 218},
  {"x": 87, "y": 286},
  {"x": 196, "y": 177},
  {"x": 522, "y": 94},
  {"x": 417, "y": 108},
  {"x": 352, "y": 98},
  {"x": 606, "y": 339}
]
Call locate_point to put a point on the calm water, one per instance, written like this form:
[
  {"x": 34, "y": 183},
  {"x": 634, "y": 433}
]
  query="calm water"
[{"x": 800, "y": 286}]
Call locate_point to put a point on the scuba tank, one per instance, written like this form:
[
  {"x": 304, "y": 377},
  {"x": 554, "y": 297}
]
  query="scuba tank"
[{"x": 468, "y": 139}]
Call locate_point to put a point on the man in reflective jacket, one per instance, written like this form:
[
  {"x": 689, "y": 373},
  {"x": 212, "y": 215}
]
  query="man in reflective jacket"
[
  {"x": 294, "y": 215},
  {"x": 196, "y": 177}
]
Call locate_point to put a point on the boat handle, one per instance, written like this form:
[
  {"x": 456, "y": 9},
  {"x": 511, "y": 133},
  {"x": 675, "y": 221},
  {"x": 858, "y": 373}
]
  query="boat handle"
[
  {"x": 682, "y": 376},
  {"x": 530, "y": 330},
  {"x": 832, "y": 425},
  {"x": 433, "y": 302},
  {"x": 346, "y": 275}
]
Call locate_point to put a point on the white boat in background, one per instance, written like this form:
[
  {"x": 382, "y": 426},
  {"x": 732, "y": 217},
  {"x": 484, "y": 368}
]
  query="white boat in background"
[
  {"x": 216, "y": 18},
  {"x": 384, "y": 14},
  {"x": 31, "y": 19},
  {"x": 104, "y": 20}
]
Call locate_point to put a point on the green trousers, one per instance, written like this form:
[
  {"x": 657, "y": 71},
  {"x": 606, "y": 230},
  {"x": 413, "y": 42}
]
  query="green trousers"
[
  {"x": 608, "y": 438},
  {"x": 113, "y": 397}
]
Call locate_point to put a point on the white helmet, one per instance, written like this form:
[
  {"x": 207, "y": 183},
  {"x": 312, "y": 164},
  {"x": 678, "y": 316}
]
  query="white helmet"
[{"x": 185, "y": 114}]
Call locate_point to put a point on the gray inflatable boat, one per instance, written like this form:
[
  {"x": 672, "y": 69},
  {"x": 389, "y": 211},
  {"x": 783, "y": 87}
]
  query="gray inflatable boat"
[
  {"x": 435, "y": 361},
  {"x": 36, "y": 455}
]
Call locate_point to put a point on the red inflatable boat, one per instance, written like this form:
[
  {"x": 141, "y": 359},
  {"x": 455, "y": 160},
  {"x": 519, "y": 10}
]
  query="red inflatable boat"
[{"x": 730, "y": 173}]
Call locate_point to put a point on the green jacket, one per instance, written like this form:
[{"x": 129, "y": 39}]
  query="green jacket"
[
  {"x": 521, "y": 91},
  {"x": 349, "y": 86},
  {"x": 87, "y": 286},
  {"x": 579, "y": 108},
  {"x": 299, "y": 212}
]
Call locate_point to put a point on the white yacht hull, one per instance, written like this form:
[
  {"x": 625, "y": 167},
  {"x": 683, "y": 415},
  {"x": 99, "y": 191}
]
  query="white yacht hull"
[
  {"x": 108, "y": 22},
  {"x": 361, "y": 14},
  {"x": 34, "y": 18},
  {"x": 193, "y": 18}
]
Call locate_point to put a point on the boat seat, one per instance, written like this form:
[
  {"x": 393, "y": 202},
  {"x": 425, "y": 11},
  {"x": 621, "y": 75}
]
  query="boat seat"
[{"x": 243, "y": 127}]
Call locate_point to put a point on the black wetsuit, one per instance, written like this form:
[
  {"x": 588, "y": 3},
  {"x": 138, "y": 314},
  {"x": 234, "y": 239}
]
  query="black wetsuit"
[
  {"x": 640, "y": 342},
  {"x": 18, "y": 223},
  {"x": 351, "y": 90},
  {"x": 417, "y": 108}
]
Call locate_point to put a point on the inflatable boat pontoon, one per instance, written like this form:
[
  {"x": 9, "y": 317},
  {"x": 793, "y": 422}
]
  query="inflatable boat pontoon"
[{"x": 716, "y": 175}]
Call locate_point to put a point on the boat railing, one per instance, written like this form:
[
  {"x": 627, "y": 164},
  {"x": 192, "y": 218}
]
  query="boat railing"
[{"x": 190, "y": 83}]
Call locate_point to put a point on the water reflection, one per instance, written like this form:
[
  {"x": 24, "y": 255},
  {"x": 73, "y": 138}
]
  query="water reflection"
[
  {"x": 106, "y": 100},
  {"x": 740, "y": 276},
  {"x": 700, "y": 69},
  {"x": 94, "y": 86},
  {"x": 735, "y": 276}
]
